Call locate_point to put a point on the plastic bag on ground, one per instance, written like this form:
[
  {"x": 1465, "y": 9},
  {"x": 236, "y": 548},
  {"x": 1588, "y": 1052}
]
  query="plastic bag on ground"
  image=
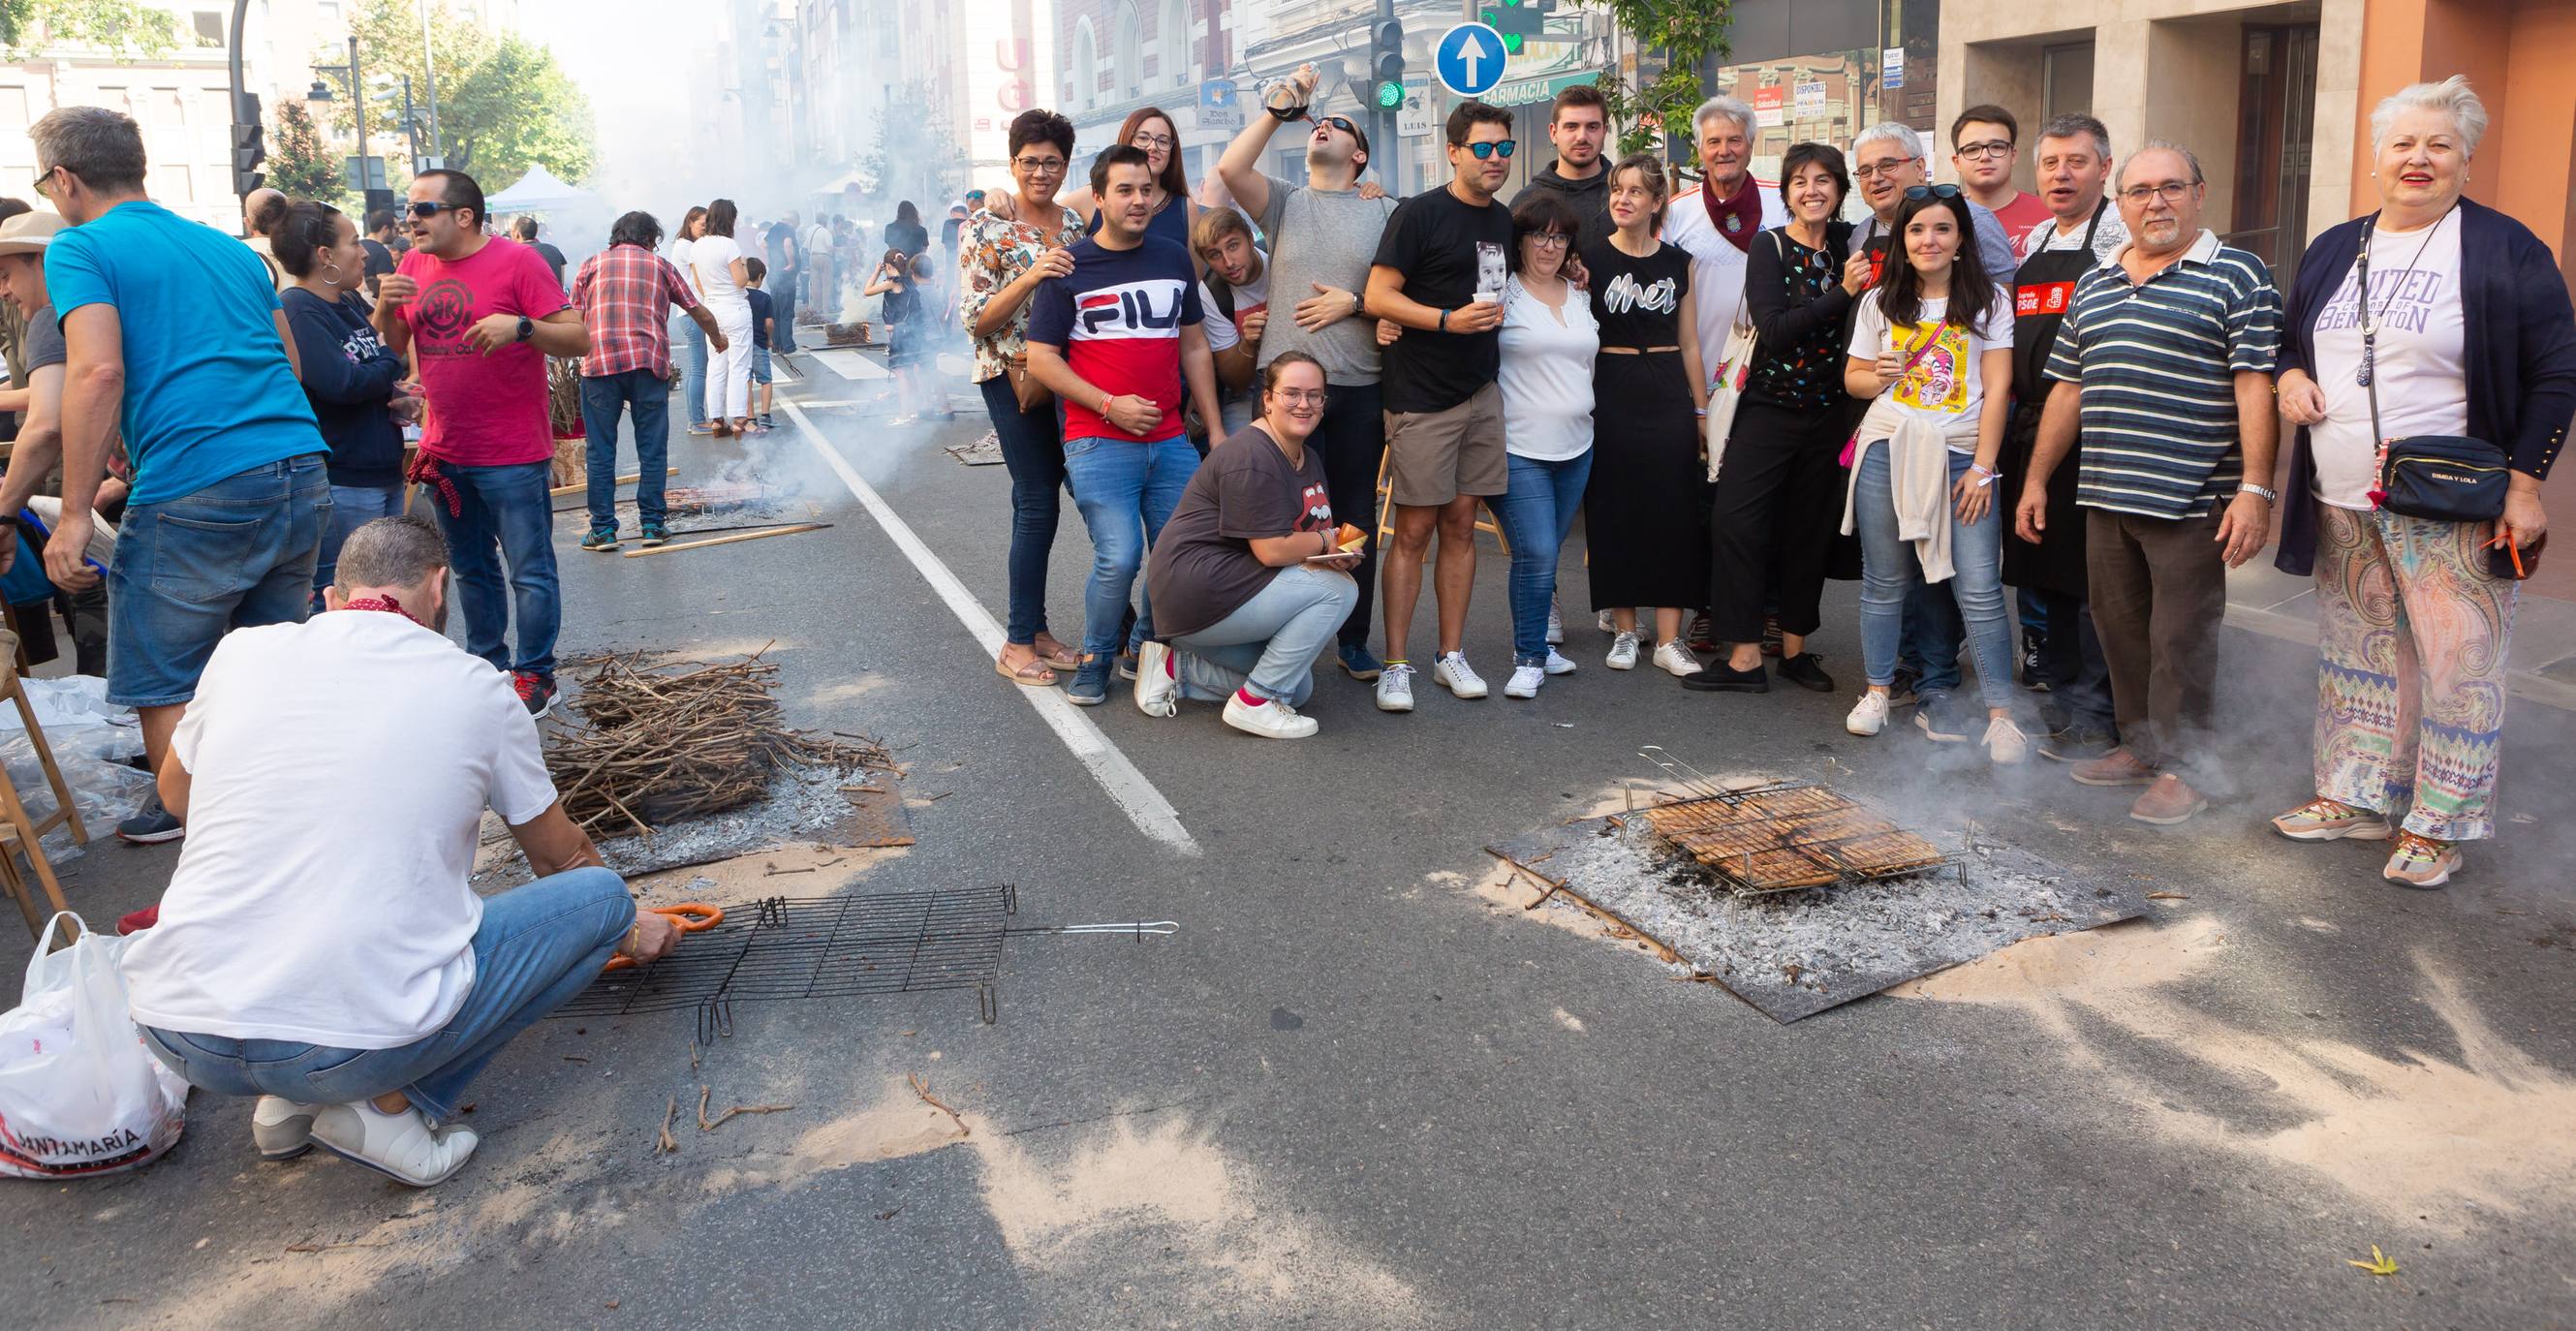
[
  {"x": 79, "y": 1094},
  {"x": 90, "y": 739}
]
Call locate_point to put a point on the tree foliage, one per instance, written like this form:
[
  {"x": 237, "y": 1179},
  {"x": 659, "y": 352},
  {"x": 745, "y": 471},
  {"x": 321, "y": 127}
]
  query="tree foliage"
[
  {"x": 1674, "y": 39},
  {"x": 504, "y": 104},
  {"x": 299, "y": 162},
  {"x": 127, "y": 27}
]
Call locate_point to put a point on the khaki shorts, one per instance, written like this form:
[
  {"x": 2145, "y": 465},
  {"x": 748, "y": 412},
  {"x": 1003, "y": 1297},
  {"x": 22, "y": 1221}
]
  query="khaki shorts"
[{"x": 1433, "y": 457}]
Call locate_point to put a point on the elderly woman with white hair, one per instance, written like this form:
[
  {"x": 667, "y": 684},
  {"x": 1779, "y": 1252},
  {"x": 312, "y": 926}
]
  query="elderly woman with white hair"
[{"x": 2443, "y": 327}]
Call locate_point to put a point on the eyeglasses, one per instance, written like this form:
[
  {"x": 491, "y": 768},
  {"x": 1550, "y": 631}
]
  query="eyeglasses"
[
  {"x": 1977, "y": 152},
  {"x": 1299, "y": 396},
  {"x": 45, "y": 181},
  {"x": 425, "y": 209},
  {"x": 1886, "y": 168},
  {"x": 1918, "y": 193},
  {"x": 1485, "y": 150},
  {"x": 2172, "y": 191},
  {"x": 1341, "y": 123},
  {"x": 1548, "y": 240},
  {"x": 1152, "y": 141},
  {"x": 1039, "y": 166}
]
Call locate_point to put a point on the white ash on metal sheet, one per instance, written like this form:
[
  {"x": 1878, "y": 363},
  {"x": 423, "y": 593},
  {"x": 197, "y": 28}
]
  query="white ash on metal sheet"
[
  {"x": 1794, "y": 954},
  {"x": 803, "y": 805}
]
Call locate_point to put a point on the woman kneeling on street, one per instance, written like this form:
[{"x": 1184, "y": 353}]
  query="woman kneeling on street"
[{"x": 1250, "y": 580}]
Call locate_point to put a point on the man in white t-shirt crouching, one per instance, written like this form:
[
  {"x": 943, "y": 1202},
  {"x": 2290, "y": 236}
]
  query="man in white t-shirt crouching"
[{"x": 318, "y": 946}]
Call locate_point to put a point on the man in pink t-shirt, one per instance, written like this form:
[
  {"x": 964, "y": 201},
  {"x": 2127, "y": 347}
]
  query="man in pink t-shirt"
[{"x": 478, "y": 316}]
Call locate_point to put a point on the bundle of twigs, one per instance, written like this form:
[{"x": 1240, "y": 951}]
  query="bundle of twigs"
[
  {"x": 846, "y": 335},
  {"x": 660, "y": 741},
  {"x": 563, "y": 396}
]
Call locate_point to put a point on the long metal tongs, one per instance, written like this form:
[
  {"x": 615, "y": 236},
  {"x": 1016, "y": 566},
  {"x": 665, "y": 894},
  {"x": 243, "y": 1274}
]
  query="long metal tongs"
[
  {"x": 1700, "y": 784},
  {"x": 1135, "y": 929}
]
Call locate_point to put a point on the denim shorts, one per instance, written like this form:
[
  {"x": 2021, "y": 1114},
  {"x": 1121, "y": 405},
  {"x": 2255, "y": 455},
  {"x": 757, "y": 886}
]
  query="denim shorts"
[
  {"x": 760, "y": 365},
  {"x": 237, "y": 554}
]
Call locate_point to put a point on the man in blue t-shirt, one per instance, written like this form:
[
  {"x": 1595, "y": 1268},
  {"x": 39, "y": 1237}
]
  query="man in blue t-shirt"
[
  {"x": 174, "y": 336},
  {"x": 1116, "y": 341}
]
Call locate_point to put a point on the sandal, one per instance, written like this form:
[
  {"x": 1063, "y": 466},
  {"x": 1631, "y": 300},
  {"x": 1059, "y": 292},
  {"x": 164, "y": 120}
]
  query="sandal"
[
  {"x": 1063, "y": 658},
  {"x": 1036, "y": 674}
]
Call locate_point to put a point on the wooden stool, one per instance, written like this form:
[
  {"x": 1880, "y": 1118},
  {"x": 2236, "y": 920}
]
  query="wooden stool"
[
  {"x": 1386, "y": 513},
  {"x": 22, "y": 835}
]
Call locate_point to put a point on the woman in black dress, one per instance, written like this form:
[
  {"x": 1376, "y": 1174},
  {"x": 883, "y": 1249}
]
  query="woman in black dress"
[{"x": 1645, "y": 513}]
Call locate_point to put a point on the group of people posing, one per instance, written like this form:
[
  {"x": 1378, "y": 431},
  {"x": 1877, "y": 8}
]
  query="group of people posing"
[{"x": 1746, "y": 389}]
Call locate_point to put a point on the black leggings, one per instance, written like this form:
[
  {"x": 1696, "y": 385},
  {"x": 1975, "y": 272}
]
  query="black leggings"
[
  {"x": 1352, "y": 436},
  {"x": 1778, "y": 505}
]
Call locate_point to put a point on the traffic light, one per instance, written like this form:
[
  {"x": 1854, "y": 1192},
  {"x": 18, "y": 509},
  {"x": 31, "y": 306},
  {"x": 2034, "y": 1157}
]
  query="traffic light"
[
  {"x": 250, "y": 149},
  {"x": 1518, "y": 21},
  {"x": 1386, "y": 65}
]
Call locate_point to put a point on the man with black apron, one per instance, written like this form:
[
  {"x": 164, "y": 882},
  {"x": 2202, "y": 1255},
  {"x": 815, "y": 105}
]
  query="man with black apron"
[{"x": 2073, "y": 165}]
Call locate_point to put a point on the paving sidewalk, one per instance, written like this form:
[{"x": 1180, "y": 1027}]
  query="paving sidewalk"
[{"x": 2541, "y": 664}]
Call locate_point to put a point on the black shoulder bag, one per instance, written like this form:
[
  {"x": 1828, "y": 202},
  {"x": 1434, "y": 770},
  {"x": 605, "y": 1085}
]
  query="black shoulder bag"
[{"x": 2441, "y": 477}]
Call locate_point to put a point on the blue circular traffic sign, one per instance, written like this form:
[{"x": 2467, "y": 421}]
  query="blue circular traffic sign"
[{"x": 1469, "y": 59}]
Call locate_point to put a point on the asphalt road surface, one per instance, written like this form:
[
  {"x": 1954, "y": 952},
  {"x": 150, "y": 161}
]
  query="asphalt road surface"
[{"x": 1361, "y": 1087}]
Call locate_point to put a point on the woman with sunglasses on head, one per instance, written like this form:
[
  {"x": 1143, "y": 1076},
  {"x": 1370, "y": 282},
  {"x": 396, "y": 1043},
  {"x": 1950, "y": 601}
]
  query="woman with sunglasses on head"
[
  {"x": 1175, "y": 212},
  {"x": 354, "y": 383},
  {"x": 1007, "y": 248},
  {"x": 1645, "y": 512},
  {"x": 1550, "y": 342},
  {"x": 1931, "y": 351}
]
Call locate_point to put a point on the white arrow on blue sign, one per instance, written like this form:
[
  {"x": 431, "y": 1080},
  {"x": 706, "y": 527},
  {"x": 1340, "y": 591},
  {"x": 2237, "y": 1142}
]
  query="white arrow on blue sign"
[{"x": 1469, "y": 59}]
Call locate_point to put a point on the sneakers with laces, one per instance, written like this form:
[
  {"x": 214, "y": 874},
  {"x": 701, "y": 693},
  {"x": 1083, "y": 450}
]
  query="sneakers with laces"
[
  {"x": 1272, "y": 719},
  {"x": 1158, "y": 685},
  {"x": 1869, "y": 715},
  {"x": 1555, "y": 625},
  {"x": 536, "y": 691},
  {"x": 2005, "y": 744},
  {"x": 1623, "y": 652},
  {"x": 1090, "y": 686},
  {"x": 1602, "y": 621},
  {"x": 601, "y": 539},
  {"x": 2119, "y": 767},
  {"x": 1359, "y": 662},
  {"x": 151, "y": 824},
  {"x": 2421, "y": 861},
  {"x": 2168, "y": 802},
  {"x": 1524, "y": 681},
  {"x": 2322, "y": 819},
  {"x": 1461, "y": 678},
  {"x": 656, "y": 533},
  {"x": 1395, "y": 687},
  {"x": 1700, "y": 634},
  {"x": 1558, "y": 665},
  {"x": 1807, "y": 671},
  {"x": 1937, "y": 718},
  {"x": 400, "y": 1146},
  {"x": 1673, "y": 658},
  {"x": 281, "y": 1128}
]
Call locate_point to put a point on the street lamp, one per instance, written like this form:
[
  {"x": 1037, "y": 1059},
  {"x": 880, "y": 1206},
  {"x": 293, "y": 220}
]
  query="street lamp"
[{"x": 321, "y": 92}]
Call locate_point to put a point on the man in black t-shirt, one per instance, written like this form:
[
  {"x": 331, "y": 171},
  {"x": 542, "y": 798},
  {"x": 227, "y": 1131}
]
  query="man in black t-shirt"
[
  {"x": 526, "y": 228},
  {"x": 380, "y": 253},
  {"x": 786, "y": 262},
  {"x": 1438, "y": 275}
]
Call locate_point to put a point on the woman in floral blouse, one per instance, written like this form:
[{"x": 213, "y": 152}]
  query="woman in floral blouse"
[{"x": 1004, "y": 251}]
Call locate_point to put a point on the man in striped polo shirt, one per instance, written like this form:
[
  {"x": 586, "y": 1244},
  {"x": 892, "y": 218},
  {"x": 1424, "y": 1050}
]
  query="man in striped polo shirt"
[{"x": 2165, "y": 365}]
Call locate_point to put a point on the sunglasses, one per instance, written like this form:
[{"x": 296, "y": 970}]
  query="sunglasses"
[
  {"x": 425, "y": 209},
  {"x": 1918, "y": 193},
  {"x": 45, "y": 181},
  {"x": 1341, "y": 123},
  {"x": 1485, "y": 150}
]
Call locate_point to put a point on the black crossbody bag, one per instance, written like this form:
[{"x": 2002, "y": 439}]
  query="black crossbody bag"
[{"x": 2441, "y": 477}]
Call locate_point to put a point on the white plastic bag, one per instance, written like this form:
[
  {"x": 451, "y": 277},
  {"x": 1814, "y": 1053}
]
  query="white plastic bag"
[{"x": 79, "y": 1094}]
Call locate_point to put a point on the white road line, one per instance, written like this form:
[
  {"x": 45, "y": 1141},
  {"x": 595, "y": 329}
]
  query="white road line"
[{"x": 1127, "y": 787}]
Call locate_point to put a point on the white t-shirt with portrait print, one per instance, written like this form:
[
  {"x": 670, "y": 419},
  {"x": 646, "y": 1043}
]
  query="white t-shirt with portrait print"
[
  {"x": 1946, "y": 384},
  {"x": 2421, "y": 358}
]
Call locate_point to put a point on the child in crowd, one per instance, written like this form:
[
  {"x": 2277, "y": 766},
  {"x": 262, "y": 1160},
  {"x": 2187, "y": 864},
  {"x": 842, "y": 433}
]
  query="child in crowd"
[{"x": 763, "y": 317}]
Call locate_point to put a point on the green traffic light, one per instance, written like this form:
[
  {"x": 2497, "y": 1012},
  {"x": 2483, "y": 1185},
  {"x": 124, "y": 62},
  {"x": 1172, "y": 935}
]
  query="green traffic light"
[
  {"x": 1390, "y": 95},
  {"x": 1512, "y": 43}
]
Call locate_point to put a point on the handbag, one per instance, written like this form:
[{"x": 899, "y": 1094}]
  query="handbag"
[
  {"x": 2438, "y": 477},
  {"x": 1734, "y": 369},
  {"x": 1025, "y": 387}
]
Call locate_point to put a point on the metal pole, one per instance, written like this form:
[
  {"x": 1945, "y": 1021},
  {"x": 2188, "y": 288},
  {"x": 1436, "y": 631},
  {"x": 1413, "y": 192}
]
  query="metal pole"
[
  {"x": 358, "y": 97},
  {"x": 429, "y": 75},
  {"x": 1382, "y": 119},
  {"x": 411, "y": 125},
  {"x": 241, "y": 10}
]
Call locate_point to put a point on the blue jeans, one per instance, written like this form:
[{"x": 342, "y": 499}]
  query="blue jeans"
[
  {"x": 1930, "y": 644},
  {"x": 352, "y": 507},
  {"x": 237, "y": 554},
  {"x": 694, "y": 380},
  {"x": 1537, "y": 511},
  {"x": 782, "y": 307},
  {"x": 1890, "y": 574},
  {"x": 603, "y": 397},
  {"x": 1126, "y": 491},
  {"x": 507, "y": 513},
  {"x": 1270, "y": 643},
  {"x": 1033, "y": 452},
  {"x": 538, "y": 946}
]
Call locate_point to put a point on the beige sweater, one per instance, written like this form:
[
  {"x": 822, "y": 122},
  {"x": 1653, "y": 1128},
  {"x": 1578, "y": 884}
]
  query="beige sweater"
[{"x": 1919, "y": 480}]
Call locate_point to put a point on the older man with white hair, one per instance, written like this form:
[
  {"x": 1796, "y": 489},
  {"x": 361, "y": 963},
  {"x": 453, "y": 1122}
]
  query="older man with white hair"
[
  {"x": 1716, "y": 220},
  {"x": 1888, "y": 160}
]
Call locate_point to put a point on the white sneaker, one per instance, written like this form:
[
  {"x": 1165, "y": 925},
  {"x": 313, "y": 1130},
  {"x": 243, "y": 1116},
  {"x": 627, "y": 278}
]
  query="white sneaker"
[
  {"x": 1273, "y": 719},
  {"x": 1623, "y": 652},
  {"x": 1158, "y": 690},
  {"x": 1555, "y": 625},
  {"x": 400, "y": 1146},
  {"x": 1395, "y": 688},
  {"x": 1462, "y": 679},
  {"x": 1524, "y": 682},
  {"x": 1869, "y": 716},
  {"x": 281, "y": 1128},
  {"x": 1605, "y": 623},
  {"x": 1676, "y": 659},
  {"x": 2005, "y": 743},
  {"x": 1558, "y": 665}
]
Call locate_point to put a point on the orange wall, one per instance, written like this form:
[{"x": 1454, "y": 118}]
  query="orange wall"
[{"x": 2517, "y": 56}]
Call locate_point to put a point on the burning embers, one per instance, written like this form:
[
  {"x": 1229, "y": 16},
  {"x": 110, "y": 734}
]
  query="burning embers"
[{"x": 1783, "y": 836}]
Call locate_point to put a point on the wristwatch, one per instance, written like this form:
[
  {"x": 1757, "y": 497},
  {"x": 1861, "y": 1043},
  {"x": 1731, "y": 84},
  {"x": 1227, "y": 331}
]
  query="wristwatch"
[
  {"x": 1444, "y": 321},
  {"x": 2266, "y": 495},
  {"x": 527, "y": 328}
]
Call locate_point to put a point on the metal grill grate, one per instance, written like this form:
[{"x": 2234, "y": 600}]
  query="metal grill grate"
[
  {"x": 1784, "y": 835},
  {"x": 819, "y": 947}
]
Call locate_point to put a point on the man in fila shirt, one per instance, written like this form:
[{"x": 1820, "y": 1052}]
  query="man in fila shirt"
[{"x": 1117, "y": 340}]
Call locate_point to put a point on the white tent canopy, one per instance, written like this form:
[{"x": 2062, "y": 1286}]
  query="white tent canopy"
[{"x": 539, "y": 191}]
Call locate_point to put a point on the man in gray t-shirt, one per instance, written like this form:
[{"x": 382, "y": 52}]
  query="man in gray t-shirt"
[{"x": 1322, "y": 236}]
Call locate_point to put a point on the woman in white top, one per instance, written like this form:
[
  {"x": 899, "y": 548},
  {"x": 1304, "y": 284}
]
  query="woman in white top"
[
  {"x": 722, "y": 279},
  {"x": 1931, "y": 351},
  {"x": 694, "y": 381},
  {"x": 1549, "y": 341}
]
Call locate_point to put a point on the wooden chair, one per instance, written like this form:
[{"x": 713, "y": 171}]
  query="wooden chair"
[
  {"x": 19, "y": 833},
  {"x": 1386, "y": 514}
]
